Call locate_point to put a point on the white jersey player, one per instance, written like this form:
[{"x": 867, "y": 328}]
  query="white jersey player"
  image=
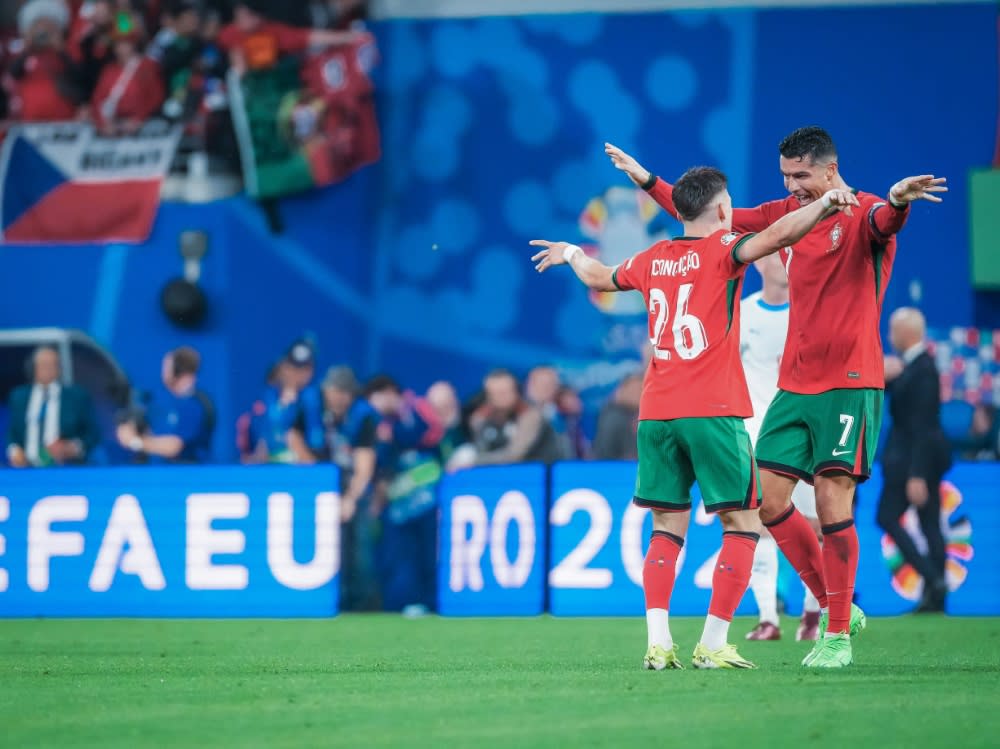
[{"x": 763, "y": 328}]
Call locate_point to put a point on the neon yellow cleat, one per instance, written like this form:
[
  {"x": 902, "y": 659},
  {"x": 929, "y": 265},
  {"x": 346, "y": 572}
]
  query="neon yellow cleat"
[
  {"x": 833, "y": 652},
  {"x": 724, "y": 657},
  {"x": 658, "y": 658}
]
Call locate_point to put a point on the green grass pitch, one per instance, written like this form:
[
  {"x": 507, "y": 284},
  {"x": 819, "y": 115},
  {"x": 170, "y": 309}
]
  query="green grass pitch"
[{"x": 374, "y": 681}]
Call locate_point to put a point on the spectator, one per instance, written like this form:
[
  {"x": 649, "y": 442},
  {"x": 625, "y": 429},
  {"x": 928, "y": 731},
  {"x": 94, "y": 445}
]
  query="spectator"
[
  {"x": 286, "y": 424},
  {"x": 255, "y": 43},
  {"x": 983, "y": 439},
  {"x": 91, "y": 44},
  {"x": 916, "y": 454},
  {"x": 130, "y": 89},
  {"x": 509, "y": 429},
  {"x": 182, "y": 418},
  {"x": 350, "y": 423},
  {"x": 410, "y": 436},
  {"x": 43, "y": 78},
  {"x": 442, "y": 398},
  {"x": 542, "y": 389},
  {"x": 50, "y": 423},
  {"x": 570, "y": 408},
  {"x": 618, "y": 420}
]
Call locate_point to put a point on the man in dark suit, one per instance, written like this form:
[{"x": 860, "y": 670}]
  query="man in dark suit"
[
  {"x": 51, "y": 423},
  {"x": 916, "y": 454}
]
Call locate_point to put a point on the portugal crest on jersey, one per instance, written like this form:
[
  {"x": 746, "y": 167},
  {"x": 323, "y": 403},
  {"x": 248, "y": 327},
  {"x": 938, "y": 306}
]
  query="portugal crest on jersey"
[{"x": 835, "y": 234}]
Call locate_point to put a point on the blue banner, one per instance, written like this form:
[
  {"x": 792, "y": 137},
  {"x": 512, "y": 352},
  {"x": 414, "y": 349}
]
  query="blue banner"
[
  {"x": 172, "y": 541},
  {"x": 599, "y": 541},
  {"x": 493, "y": 539}
]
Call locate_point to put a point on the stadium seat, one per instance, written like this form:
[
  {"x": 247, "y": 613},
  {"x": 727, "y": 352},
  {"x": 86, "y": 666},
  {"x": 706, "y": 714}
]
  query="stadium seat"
[{"x": 956, "y": 419}]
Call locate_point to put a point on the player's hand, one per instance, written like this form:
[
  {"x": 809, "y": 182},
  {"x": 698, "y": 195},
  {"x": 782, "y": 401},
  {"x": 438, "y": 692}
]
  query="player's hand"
[
  {"x": 893, "y": 368},
  {"x": 16, "y": 457},
  {"x": 918, "y": 188},
  {"x": 551, "y": 255},
  {"x": 623, "y": 162},
  {"x": 916, "y": 492},
  {"x": 842, "y": 200}
]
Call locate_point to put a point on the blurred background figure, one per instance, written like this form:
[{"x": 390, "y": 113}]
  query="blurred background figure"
[
  {"x": 410, "y": 435},
  {"x": 350, "y": 424},
  {"x": 618, "y": 421},
  {"x": 444, "y": 400},
  {"x": 50, "y": 423},
  {"x": 43, "y": 80},
  {"x": 983, "y": 440},
  {"x": 181, "y": 418},
  {"x": 916, "y": 454},
  {"x": 130, "y": 88},
  {"x": 509, "y": 429}
]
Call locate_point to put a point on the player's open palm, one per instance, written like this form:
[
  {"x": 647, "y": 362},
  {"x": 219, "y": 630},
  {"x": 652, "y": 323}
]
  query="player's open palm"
[
  {"x": 553, "y": 254},
  {"x": 922, "y": 187},
  {"x": 627, "y": 164}
]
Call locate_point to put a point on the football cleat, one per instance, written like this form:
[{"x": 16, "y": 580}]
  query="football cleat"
[
  {"x": 808, "y": 627},
  {"x": 724, "y": 657},
  {"x": 765, "y": 631},
  {"x": 832, "y": 652},
  {"x": 659, "y": 658}
]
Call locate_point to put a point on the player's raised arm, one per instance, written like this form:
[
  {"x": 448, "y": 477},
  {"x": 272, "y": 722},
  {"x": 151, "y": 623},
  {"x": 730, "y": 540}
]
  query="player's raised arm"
[
  {"x": 791, "y": 227},
  {"x": 593, "y": 273},
  {"x": 744, "y": 219},
  {"x": 886, "y": 219}
]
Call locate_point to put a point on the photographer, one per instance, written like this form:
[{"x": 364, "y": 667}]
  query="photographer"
[
  {"x": 181, "y": 418},
  {"x": 42, "y": 79}
]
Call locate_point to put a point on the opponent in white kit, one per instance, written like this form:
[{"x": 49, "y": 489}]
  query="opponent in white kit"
[{"x": 763, "y": 327}]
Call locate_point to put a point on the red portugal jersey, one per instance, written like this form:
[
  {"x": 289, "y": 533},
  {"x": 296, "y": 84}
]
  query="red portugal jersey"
[
  {"x": 692, "y": 291},
  {"x": 837, "y": 277}
]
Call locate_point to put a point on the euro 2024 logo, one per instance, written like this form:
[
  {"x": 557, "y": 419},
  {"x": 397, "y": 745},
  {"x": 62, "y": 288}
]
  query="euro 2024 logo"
[
  {"x": 957, "y": 530},
  {"x": 619, "y": 223}
]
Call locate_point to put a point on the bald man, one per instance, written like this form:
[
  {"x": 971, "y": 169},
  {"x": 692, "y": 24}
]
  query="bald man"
[{"x": 916, "y": 454}]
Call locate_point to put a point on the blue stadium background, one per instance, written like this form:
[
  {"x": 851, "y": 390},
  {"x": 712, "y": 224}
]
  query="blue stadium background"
[{"x": 493, "y": 132}]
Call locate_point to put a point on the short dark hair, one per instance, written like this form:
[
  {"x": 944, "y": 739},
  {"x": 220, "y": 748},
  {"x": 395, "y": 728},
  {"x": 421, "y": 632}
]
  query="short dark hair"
[
  {"x": 381, "y": 382},
  {"x": 695, "y": 189},
  {"x": 811, "y": 141},
  {"x": 185, "y": 361}
]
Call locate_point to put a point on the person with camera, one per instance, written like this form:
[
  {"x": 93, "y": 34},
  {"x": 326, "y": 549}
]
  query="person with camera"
[
  {"x": 181, "y": 418},
  {"x": 51, "y": 423},
  {"x": 42, "y": 79}
]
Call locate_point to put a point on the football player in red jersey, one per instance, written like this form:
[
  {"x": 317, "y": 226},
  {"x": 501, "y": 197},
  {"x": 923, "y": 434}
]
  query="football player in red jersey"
[
  {"x": 823, "y": 425},
  {"x": 695, "y": 396}
]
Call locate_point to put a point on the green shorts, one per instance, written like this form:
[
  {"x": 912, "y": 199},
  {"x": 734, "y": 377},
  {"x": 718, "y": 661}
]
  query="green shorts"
[
  {"x": 806, "y": 435},
  {"x": 715, "y": 451}
]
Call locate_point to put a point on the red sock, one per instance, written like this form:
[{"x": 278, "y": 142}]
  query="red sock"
[
  {"x": 797, "y": 541},
  {"x": 732, "y": 573},
  {"x": 840, "y": 559},
  {"x": 659, "y": 569}
]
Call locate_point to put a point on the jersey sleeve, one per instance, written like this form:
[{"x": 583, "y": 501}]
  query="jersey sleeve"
[
  {"x": 633, "y": 273},
  {"x": 882, "y": 219},
  {"x": 724, "y": 247},
  {"x": 744, "y": 219},
  {"x": 291, "y": 39}
]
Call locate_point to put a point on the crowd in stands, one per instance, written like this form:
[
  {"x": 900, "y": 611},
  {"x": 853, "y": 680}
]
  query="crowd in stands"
[{"x": 119, "y": 63}]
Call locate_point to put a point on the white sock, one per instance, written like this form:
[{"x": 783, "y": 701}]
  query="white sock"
[
  {"x": 825, "y": 610},
  {"x": 658, "y": 628},
  {"x": 809, "y": 602},
  {"x": 764, "y": 579},
  {"x": 716, "y": 632}
]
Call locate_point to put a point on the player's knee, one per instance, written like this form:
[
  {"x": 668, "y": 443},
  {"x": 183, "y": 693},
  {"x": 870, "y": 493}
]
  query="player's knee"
[{"x": 741, "y": 521}]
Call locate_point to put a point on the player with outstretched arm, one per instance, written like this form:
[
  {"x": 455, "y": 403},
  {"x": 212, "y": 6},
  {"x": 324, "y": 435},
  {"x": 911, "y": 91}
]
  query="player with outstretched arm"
[
  {"x": 695, "y": 396},
  {"x": 823, "y": 425}
]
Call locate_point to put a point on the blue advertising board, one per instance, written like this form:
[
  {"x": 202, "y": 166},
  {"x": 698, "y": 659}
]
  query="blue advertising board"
[
  {"x": 174, "y": 541},
  {"x": 492, "y": 542},
  {"x": 599, "y": 540}
]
